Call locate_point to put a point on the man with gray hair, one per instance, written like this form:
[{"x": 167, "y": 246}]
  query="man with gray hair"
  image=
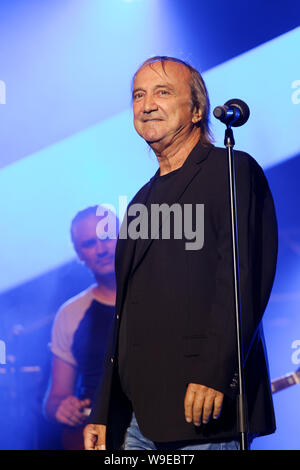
[{"x": 171, "y": 375}]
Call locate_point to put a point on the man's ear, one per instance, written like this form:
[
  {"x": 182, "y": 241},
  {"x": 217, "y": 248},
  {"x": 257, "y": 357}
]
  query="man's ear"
[
  {"x": 80, "y": 260},
  {"x": 197, "y": 115},
  {"x": 77, "y": 251}
]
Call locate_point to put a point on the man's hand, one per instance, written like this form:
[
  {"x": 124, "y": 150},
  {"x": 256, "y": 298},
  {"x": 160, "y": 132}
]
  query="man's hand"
[
  {"x": 94, "y": 437},
  {"x": 69, "y": 411},
  {"x": 201, "y": 402}
]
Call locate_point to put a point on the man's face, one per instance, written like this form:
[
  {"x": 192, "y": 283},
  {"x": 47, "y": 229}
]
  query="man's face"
[
  {"x": 98, "y": 255},
  {"x": 162, "y": 106}
]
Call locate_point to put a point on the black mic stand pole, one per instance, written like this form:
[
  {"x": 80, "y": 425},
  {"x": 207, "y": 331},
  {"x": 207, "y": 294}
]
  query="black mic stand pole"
[{"x": 242, "y": 406}]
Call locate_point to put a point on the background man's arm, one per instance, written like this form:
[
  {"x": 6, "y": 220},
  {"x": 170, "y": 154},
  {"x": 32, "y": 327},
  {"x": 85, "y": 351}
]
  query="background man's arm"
[{"x": 60, "y": 404}]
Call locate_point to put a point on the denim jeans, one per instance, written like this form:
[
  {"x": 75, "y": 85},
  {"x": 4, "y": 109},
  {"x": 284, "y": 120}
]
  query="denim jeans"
[{"x": 134, "y": 440}]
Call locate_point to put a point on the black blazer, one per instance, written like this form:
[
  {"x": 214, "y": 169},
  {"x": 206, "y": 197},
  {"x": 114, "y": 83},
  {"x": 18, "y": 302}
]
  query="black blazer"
[{"x": 181, "y": 323}]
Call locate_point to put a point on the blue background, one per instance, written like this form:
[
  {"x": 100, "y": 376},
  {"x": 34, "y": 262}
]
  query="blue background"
[{"x": 67, "y": 141}]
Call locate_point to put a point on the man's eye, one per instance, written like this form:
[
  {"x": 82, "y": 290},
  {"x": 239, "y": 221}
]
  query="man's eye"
[
  {"x": 88, "y": 244},
  {"x": 137, "y": 96}
]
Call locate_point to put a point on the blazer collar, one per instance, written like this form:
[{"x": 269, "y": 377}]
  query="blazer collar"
[
  {"x": 197, "y": 155},
  {"x": 188, "y": 171},
  {"x": 126, "y": 258}
]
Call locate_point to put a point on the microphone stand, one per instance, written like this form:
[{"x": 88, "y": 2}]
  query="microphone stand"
[{"x": 241, "y": 404}]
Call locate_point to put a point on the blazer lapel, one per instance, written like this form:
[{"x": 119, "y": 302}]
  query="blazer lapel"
[
  {"x": 125, "y": 249},
  {"x": 126, "y": 258},
  {"x": 188, "y": 171}
]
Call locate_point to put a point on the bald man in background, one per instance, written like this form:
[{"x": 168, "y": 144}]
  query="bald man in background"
[{"x": 81, "y": 330}]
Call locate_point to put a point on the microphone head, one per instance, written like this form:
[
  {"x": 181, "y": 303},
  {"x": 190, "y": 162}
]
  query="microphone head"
[
  {"x": 219, "y": 112},
  {"x": 243, "y": 109}
]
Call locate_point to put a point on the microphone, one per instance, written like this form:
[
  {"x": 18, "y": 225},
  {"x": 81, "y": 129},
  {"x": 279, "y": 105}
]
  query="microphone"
[{"x": 234, "y": 113}]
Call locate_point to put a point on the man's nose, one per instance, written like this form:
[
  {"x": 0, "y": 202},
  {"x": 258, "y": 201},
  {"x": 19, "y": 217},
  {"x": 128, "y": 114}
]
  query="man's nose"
[
  {"x": 149, "y": 104},
  {"x": 101, "y": 249}
]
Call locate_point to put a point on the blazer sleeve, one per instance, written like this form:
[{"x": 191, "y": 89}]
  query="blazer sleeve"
[{"x": 258, "y": 241}]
